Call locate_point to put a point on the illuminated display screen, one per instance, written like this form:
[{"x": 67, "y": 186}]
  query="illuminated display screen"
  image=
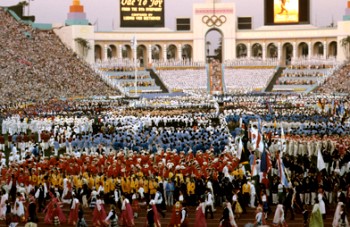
[
  {"x": 286, "y": 11},
  {"x": 141, "y": 13}
]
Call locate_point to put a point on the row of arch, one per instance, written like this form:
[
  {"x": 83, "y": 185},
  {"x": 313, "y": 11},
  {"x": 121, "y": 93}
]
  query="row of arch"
[
  {"x": 168, "y": 52},
  {"x": 143, "y": 53},
  {"x": 302, "y": 49}
]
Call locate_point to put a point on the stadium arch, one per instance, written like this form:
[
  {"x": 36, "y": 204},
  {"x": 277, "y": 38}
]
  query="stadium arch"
[
  {"x": 241, "y": 50},
  {"x": 171, "y": 52},
  {"x": 142, "y": 54},
  {"x": 156, "y": 52},
  {"x": 287, "y": 53},
  {"x": 271, "y": 50},
  {"x": 257, "y": 50},
  {"x": 126, "y": 51},
  {"x": 186, "y": 52},
  {"x": 217, "y": 52},
  {"x": 303, "y": 49},
  {"x": 332, "y": 49},
  {"x": 318, "y": 48},
  {"x": 98, "y": 52},
  {"x": 112, "y": 51}
]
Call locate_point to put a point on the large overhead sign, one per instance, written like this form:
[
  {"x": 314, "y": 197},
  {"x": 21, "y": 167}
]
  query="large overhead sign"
[
  {"x": 141, "y": 13},
  {"x": 286, "y": 11}
]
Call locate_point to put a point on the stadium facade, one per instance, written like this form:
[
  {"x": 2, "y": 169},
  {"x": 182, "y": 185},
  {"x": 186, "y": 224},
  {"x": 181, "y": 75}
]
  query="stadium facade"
[{"x": 282, "y": 41}]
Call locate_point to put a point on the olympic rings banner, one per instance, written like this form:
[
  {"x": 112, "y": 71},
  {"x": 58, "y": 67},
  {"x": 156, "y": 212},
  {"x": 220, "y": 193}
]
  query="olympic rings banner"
[
  {"x": 215, "y": 72},
  {"x": 214, "y": 21}
]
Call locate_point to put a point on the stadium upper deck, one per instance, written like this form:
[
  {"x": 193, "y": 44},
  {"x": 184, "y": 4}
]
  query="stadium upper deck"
[{"x": 279, "y": 40}]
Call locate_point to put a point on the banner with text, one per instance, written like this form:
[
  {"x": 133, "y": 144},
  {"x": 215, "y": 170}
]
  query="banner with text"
[{"x": 141, "y": 13}]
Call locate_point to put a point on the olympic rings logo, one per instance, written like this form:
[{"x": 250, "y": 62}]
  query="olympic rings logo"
[{"x": 214, "y": 21}]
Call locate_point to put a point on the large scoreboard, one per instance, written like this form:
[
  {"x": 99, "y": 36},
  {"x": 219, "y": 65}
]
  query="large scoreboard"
[
  {"x": 284, "y": 12},
  {"x": 141, "y": 13}
]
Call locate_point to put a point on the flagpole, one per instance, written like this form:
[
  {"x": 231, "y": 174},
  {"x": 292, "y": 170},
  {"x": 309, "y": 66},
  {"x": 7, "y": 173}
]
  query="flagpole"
[{"x": 134, "y": 46}]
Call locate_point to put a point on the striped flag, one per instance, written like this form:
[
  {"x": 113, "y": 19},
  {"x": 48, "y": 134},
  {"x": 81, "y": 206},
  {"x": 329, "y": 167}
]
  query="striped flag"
[
  {"x": 281, "y": 172},
  {"x": 266, "y": 163}
]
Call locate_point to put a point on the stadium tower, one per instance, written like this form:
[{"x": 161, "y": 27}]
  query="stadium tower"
[{"x": 76, "y": 15}]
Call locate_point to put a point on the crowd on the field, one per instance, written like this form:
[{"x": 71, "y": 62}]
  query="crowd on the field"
[{"x": 202, "y": 159}]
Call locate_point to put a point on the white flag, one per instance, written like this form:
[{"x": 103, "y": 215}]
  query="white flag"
[
  {"x": 240, "y": 148},
  {"x": 283, "y": 139},
  {"x": 320, "y": 162}
]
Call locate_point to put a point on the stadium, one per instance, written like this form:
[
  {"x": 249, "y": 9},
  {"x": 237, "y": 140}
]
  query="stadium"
[{"x": 212, "y": 122}]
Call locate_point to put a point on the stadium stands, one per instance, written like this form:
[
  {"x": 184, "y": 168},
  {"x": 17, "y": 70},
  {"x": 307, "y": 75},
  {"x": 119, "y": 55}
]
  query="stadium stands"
[
  {"x": 236, "y": 80},
  {"x": 35, "y": 65},
  {"x": 338, "y": 83},
  {"x": 303, "y": 76}
]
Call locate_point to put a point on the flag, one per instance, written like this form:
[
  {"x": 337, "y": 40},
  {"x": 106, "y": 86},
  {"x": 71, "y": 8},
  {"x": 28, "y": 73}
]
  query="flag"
[
  {"x": 240, "y": 149},
  {"x": 269, "y": 107},
  {"x": 134, "y": 42},
  {"x": 260, "y": 142},
  {"x": 266, "y": 164},
  {"x": 268, "y": 161},
  {"x": 263, "y": 164},
  {"x": 283, "y": 139},
  {"x": 282, "y": 173},
  {"x": 284, "y": 178},
  {"x": 95, "y": 24},
  {"x": 254, "y": 171},
  {"x": 320, "y": 162}
]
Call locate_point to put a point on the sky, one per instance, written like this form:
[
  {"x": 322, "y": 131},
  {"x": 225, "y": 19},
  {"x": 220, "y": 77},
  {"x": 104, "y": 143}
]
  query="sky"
[{"x": 106, "y": 12}]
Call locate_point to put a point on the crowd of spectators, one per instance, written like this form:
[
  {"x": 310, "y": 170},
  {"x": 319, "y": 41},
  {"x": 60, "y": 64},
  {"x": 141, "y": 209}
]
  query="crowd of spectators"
[
  {"x": 296, "y": 82},
  {"x": 302, "y": 74},
  {"x": 172, "y": 63},
  {"x": 315, "y": 60},
  {"x": 338, "y": 82},
  {"x": 309, "y": 65},
  {"x": 236, "y": 80},
  {"x": 252, "y": 61},
  {"x": 184, "y": 79},
  {"x": 247, "y": 80},
  {"x": 139, "y": 84},
  {"x": 129, "y": 77},
  {"x": 116, "y": 64},
  {"x": 35, "y": 65},
  {"x": 306, "y": 74}
]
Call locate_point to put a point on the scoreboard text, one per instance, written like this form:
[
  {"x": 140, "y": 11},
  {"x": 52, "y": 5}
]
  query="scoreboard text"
[{"x": 141, "y": 13}]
